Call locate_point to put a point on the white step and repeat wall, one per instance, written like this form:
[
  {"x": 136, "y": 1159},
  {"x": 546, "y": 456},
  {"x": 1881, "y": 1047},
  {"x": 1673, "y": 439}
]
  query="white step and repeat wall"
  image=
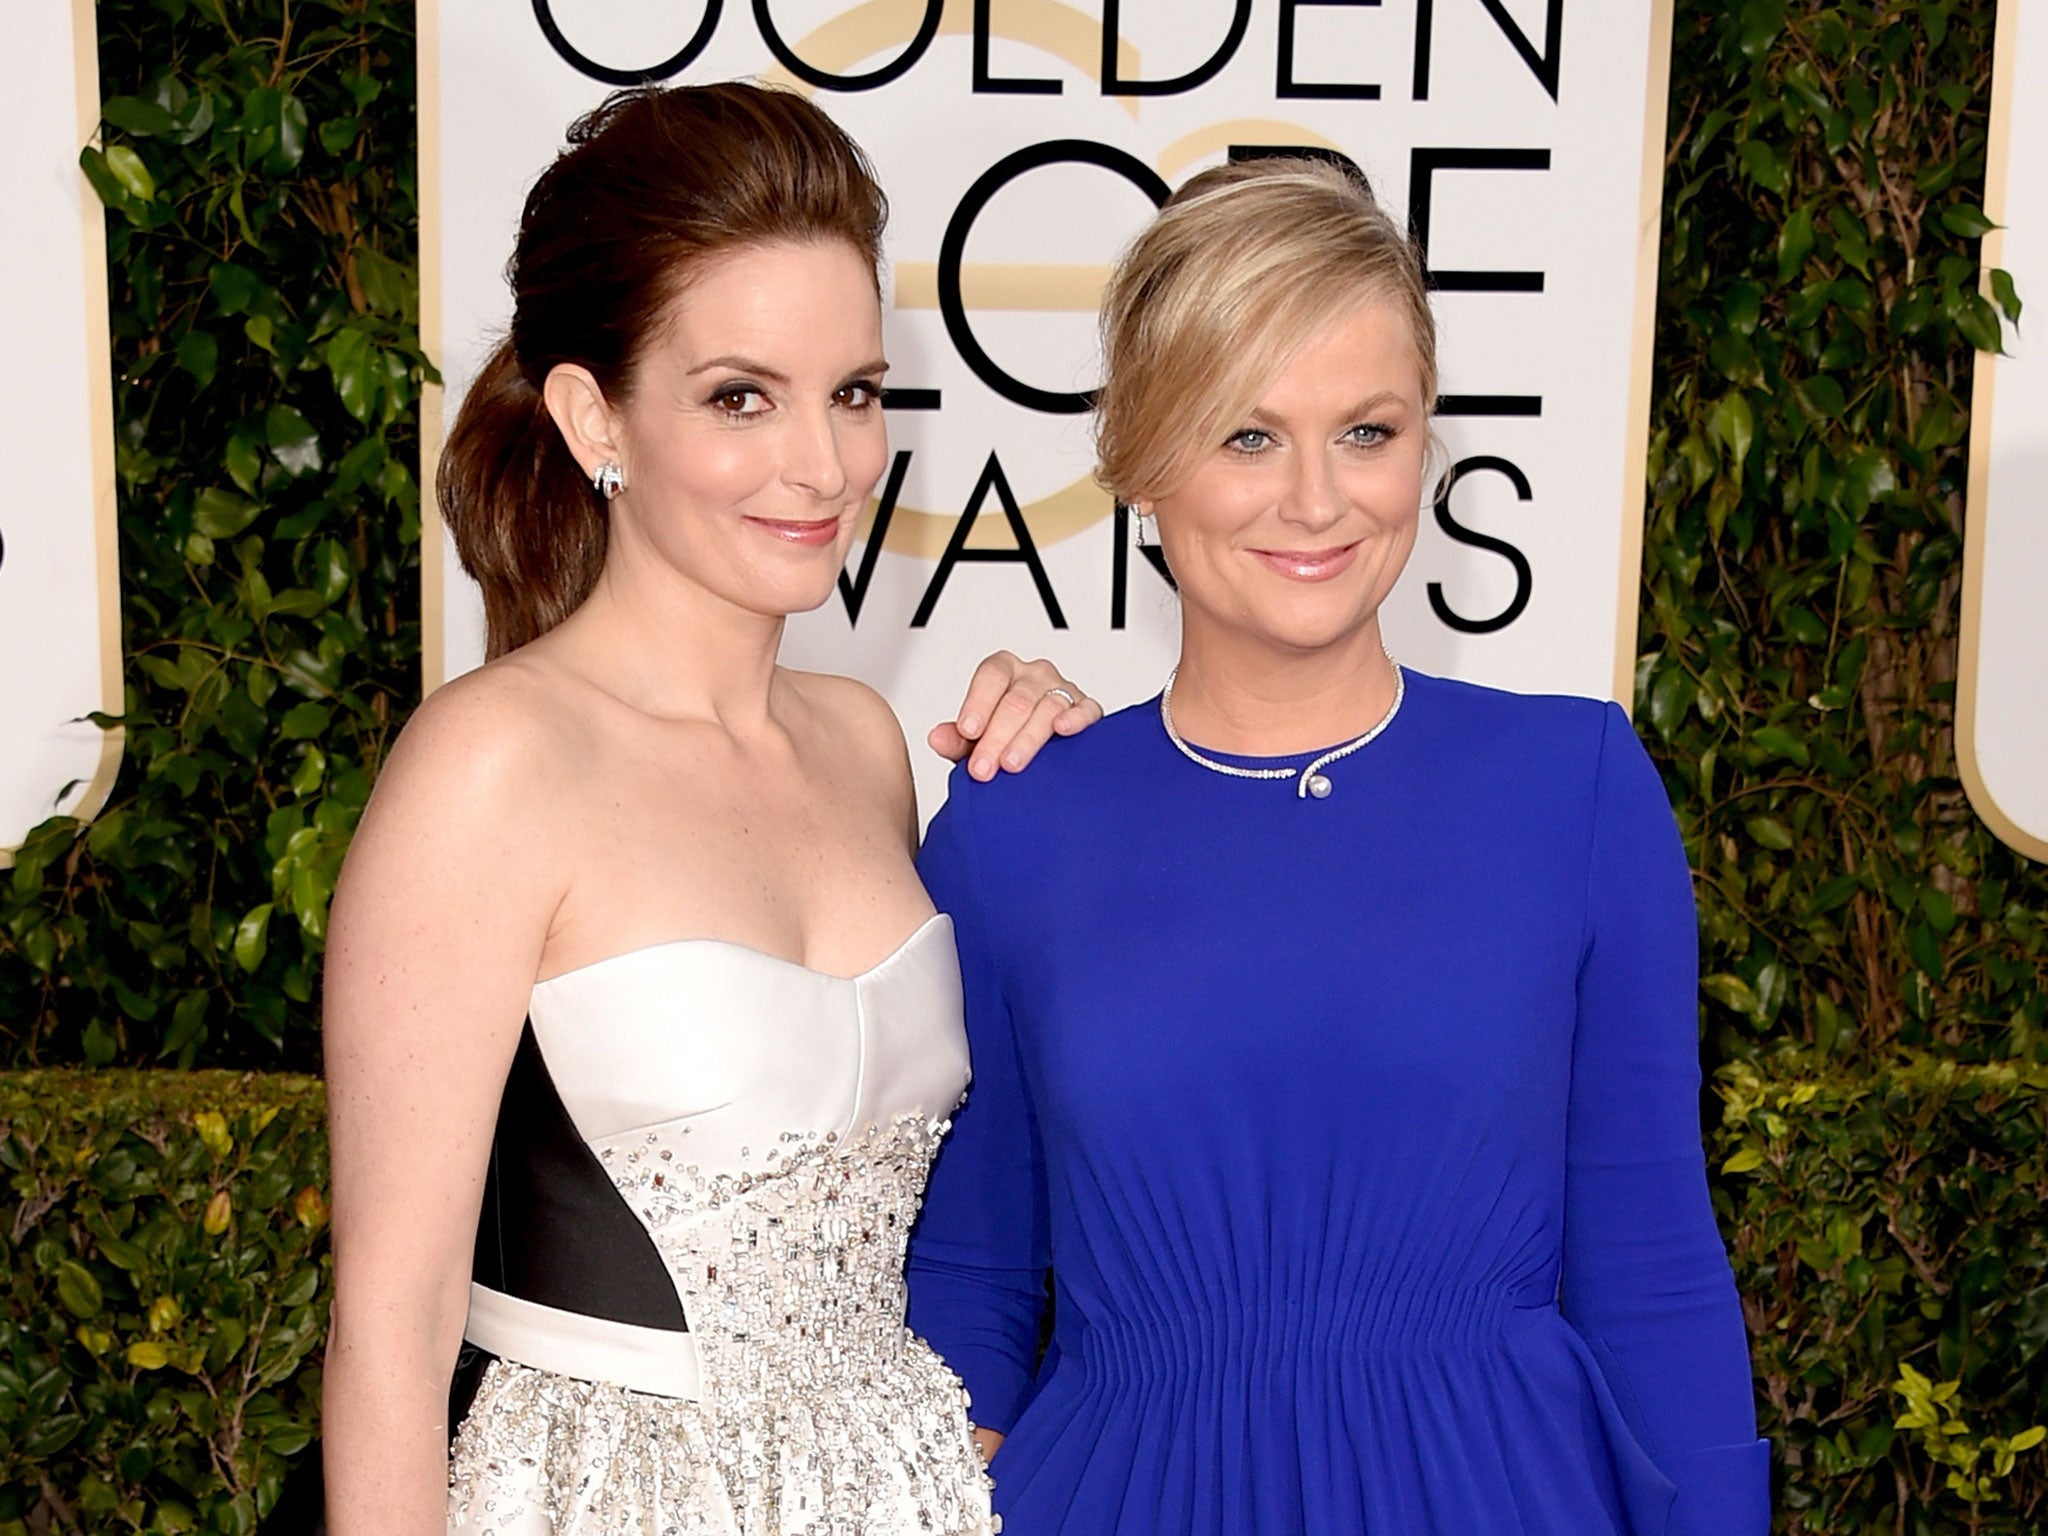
[
  {"x": 2002, "y": 688},
  {"x": 60, "y": 620},
  {"x": 1021, "y": 143}
]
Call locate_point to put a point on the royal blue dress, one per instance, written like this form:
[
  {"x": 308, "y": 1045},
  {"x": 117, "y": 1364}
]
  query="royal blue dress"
[{"x": 1361, "y": 1136}]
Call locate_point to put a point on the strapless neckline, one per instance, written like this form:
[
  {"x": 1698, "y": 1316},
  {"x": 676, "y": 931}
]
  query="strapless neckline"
[{"x": 733, "y": 946}]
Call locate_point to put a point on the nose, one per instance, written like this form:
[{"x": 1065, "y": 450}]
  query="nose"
[
  {"x": 1313, "y": 500},
  {"x": 815, "y": 464}
]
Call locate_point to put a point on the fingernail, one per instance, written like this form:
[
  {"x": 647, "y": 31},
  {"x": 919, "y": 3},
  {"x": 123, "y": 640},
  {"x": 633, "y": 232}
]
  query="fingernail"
[
  {"x": 1013, "y": 760},
  {"x": 978, "y": 767},
  {"x": 970, "y": 725}
]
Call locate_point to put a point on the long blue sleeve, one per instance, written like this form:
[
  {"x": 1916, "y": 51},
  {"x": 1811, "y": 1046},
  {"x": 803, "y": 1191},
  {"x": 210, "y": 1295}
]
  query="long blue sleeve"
[
  {"x": 979, "y": 1256},
  {"x": 1646, "y": 1280}
]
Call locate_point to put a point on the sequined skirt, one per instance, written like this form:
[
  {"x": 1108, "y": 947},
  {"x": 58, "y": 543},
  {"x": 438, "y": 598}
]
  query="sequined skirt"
[{"x": 547, "y": 1455}]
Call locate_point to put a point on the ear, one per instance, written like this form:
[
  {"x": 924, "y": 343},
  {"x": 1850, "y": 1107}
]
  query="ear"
[{"x": 584, "y": 417}]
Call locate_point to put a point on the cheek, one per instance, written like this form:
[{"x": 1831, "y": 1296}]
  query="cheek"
[{"x": 866, "y": 456}]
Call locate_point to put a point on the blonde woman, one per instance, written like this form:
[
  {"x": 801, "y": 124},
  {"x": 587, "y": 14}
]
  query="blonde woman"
[{"x": 1334, "y": 1026}]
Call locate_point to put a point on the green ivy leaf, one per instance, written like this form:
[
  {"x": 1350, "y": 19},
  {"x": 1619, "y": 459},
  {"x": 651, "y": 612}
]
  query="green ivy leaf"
[
  {"x": 1763, "y": 166},
  {"x": 252, "y": 937},
  {"x": 145, "y": 119},
  {"x": 1733, "y": 424},
  {"x": 1967, "y": 220},
  {"x": 199, "y": 355},
  {"x": 351, "y": 361},
  {"x": 234, "y": 287},
  {"x": 2005, "y": 293},
  {"x": 1978, "y": 322},
  {"x": 1769, "y": 832},
  {"x": 221, "y": 514},
  {"x": 293, "y": 442},
  {"x": 127, "y": 169},
  {"x": 77, "y": 1290},
  {"x": 1780, "y": 742}
]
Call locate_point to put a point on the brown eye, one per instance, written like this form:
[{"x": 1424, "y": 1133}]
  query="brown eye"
[
  {"x": 857, "y": 396},
  {"x": 738, "y": 400}
]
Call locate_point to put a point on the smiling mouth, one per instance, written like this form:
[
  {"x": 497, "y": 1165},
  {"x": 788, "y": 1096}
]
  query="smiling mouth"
[
  {"x": 822, "y": 530},
  {"x": 1307, "y": 564}
]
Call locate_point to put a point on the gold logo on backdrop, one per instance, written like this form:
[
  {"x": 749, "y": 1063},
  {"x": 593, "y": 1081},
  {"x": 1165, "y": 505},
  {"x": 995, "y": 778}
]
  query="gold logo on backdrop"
[{"x": 1076, "y": 38}]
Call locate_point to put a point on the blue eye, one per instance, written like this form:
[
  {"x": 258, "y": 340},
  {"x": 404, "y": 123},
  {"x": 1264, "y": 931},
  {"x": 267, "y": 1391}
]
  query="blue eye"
[
  {"x": 1249, "y": 440},
  {"x": 1368, "y": 434}
]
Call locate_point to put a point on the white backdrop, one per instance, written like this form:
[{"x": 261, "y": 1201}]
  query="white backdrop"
[
  {"x": 2002, "y": 692},
  {"x": 60, "y": 626},
  {"x": 1531, "y": 129}
]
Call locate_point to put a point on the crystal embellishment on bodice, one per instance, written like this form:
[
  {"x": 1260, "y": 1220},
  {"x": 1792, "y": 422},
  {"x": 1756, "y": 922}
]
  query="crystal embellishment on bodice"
[{"x": 819, "y": 1413}]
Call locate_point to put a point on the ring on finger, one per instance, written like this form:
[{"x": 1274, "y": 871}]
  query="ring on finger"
[{"x": 1057, "y": 692}]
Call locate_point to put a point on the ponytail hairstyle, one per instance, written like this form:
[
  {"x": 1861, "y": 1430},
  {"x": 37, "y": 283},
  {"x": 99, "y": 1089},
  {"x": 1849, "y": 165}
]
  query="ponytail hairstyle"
[{"x": 653, "y": 184}]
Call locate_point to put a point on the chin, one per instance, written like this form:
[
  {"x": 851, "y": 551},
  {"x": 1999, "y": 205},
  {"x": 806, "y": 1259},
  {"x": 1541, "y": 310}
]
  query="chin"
[
  {"x": 796, "y": 595},
  {"x": 1292, "y": 630}
]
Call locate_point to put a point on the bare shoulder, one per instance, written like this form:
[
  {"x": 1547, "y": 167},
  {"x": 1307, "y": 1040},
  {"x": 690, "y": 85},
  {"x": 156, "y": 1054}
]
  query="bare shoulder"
[
  {"x": 854, "y": 726},
  {"x": 855, "y": 713},
  {"x": 491, "y": 730},
  {"x": 484, "y": 758}
]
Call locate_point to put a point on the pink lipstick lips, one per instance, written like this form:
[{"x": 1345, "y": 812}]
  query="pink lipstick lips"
[
  {"x": 1307, "y": 564},
  {"x": 816, "y": 531}
]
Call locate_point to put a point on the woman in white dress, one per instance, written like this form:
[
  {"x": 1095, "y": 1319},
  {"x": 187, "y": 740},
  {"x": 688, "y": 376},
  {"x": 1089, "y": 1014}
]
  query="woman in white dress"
[{"x": 641, "y": 1031}]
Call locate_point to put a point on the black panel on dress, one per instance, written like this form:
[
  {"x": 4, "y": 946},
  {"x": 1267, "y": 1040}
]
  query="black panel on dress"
[{"x": 554, "y": 1228}]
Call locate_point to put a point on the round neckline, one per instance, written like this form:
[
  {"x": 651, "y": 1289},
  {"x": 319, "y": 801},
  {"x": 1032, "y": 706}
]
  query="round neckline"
[{"x": 1306, "y": 755}]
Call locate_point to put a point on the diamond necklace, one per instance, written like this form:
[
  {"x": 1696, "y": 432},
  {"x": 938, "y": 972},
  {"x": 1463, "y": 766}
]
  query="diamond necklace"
[{"x": 1310, "y": 780}]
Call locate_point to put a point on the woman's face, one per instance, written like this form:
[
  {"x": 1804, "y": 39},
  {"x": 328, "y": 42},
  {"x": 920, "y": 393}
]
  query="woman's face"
[
  {"x": 1291, "y": 531},
  {"x": 753, "y": 435}
]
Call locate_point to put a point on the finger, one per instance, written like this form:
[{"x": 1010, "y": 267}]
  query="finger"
[
  {"x": 1037, "y": 728},
  {"x": 991, "y": 679},
  {"x": 947, "y": 741},
  {"x": 1078, "y": 717},
  {"x": 1010, "y": 718}
]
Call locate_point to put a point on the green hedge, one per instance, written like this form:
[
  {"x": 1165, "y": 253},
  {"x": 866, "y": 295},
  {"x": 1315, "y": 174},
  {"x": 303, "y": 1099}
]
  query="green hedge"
[
  {"x": 1817, "y": 321},
  {"x": 1887, "y": 1235},
  {"x": 164, "y": 1283},
  {"x": 259, "y": 176}
]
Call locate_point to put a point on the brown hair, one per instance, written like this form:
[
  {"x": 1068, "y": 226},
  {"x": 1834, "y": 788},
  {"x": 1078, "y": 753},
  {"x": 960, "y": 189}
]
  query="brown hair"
[
  {"x": 652, "y": 184},
  {"x": 1242, "y": 265}
]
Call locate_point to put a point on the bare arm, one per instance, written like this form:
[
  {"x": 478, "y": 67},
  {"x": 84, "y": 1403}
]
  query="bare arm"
[{"x": 434, "y": 942}]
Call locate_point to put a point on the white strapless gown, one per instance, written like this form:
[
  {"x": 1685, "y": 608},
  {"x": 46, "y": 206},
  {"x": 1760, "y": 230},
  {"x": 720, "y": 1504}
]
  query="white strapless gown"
[{"x": 771, "y": 1127}]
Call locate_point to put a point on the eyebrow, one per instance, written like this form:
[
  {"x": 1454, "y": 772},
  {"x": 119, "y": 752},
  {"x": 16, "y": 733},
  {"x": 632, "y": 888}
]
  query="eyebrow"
[
  {"x": 1365, "y": 407},
  {"x": 732, "y": 362}
]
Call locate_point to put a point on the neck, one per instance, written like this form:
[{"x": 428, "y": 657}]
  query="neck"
[
  {"x": 673, "y": 650},
  {"x": 1262, "y": 701}
]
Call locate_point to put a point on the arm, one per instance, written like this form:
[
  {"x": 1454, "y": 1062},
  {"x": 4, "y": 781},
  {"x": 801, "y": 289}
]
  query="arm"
[
  {"x": 979, "y": 1255},
  {"x": 434, "y": 942},
  {"x": 1646, "y": 1279}
]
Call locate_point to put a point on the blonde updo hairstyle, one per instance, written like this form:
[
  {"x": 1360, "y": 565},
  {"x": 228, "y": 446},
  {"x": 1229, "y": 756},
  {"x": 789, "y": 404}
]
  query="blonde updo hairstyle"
[{"x": 1242, "y": 266}]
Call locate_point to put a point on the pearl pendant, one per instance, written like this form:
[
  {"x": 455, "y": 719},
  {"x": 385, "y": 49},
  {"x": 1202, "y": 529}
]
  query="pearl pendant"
[{"x": 1319, "y": 786}]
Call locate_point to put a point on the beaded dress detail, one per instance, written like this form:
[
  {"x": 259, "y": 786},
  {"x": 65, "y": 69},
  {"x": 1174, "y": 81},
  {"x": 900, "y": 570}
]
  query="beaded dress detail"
[{"x": 770, "y": 1128}]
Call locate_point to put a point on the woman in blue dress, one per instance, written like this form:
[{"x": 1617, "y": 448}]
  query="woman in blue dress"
[{"x": 1334, "y": 1026}]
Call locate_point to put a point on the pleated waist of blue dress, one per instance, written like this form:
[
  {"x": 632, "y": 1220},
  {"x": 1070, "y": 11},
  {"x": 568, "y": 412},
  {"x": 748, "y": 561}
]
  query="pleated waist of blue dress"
[{"x": 1195, "y": 1337}]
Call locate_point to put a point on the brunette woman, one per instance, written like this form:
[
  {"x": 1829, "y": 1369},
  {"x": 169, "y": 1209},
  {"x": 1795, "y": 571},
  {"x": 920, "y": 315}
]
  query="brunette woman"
[{"x": 641, "y": 1030}]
